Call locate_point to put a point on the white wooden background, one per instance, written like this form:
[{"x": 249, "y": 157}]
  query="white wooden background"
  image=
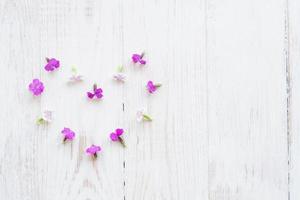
[{"x": 226, "y": 121}]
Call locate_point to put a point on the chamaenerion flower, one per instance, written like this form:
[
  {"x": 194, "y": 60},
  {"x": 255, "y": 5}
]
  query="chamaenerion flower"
[
  {"x": 36, "y": 87},
  {"x": 138, "y": 58},
  {"x": 152, "y": 87},
  {"x": 92, "y": 150},
  {"x": 68, "y": 134},
  {"x": 96, "y": 94},
  {"x": 116, "y": 136},
  {"x": 52, "y": 64}
]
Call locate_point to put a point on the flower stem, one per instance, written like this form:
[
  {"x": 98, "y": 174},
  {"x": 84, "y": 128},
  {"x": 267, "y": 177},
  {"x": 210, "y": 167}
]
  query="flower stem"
[
  {"x": 95, "y": 87},
  {"x": 120, "y": 68},
  {"x": 40, "y": 121},
  {"x": 74, "y": 70},
  {"x": 122, "y": 142},
  {"x": 147, "y": 118}
]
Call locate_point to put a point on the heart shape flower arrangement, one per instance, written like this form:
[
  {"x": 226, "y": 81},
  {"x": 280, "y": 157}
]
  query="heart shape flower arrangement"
[{"x": 36, "y": 87}]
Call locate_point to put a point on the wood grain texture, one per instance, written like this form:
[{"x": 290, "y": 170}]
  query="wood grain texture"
[
  {"x": 167, "y": 159},
  {"x": 224, "y": 125},
  {"x": 246, "y": 100},
  {"x": 294, "y": 97}
]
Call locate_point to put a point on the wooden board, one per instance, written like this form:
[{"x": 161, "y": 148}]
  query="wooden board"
[
  {"x": 293, "y": 98},
  {"x": 224, "y": 123}
]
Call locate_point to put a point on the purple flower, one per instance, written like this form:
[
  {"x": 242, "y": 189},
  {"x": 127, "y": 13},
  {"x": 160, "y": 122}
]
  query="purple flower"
[
  {"x": 116, "y": 136},
  {"x": 152, "y": 87},
  {"x": 97, "y": 93},
  {"x": 36, "y": 87},
  {"x": 138, "y": 58},
  {"x": 52, "y": 64},
  {"x": 68, "y": 134},
  {"x": 92, "y": 150}
]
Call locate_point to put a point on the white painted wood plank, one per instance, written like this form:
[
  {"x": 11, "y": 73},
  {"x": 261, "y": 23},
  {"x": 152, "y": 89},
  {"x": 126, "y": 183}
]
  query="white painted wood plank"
[
  {"x": 246, "y": 100},
  {"x": 294, "y": 96},
  {"x": 19, "y": 177},
  {"x": 19, "y": 155},
  {"x": 85, "y": 34},
  {"x": 167, "y": 158}
]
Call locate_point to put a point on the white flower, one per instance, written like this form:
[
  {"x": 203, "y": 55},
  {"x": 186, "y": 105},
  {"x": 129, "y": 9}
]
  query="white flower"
[
  {"x": 120, "y": 77},
  {"x": 75, "y": 78},
  {"x": 46, "y": 117},
  {"x": 139, "y": 116}
]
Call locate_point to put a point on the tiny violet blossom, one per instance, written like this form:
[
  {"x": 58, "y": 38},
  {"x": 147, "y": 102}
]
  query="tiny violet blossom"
[
  {"x": 116, "y": 136},
  {"x": 75, "y": 77},
  {"x": 120, "y": 77},
  {"x": 141, "y": 116},
  {"x": 92, "y": 150},
  {"x": 96, "y": 94},
  {"x": 46, "y": 117},
  {"x": 68, "y": 134},
  {"x": 52, "y": 64},
  {"x": 138, "y": 58},
  {"x": 152, "y": 87},
  {"x": 36, "y": 87}
]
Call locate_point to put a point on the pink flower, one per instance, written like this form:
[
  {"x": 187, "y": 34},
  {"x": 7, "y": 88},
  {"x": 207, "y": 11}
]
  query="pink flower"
[
  {"x": 138, "y": 58},
  {"x": 152, "y": 87},
  {"x": 92, "y": 150},
  {"x": 116, "y": 136},
  {"x": 52, "y": 64},
  {"x": 36, "y": 87},
  {"x": 68, "y": 134},
  {"x": 97, "y": 93}
]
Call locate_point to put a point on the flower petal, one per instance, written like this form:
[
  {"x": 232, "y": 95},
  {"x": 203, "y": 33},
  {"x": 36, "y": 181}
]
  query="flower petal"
[
  {"x": 135, "y": 58},
  {"x": 49, "y": 67},
  {"x": 119, "y": 131},
  {"x": 142, "y": 62},
  {"x": 114, "y": 137},
  {"x": 93, "y": 149},
  {"x": 90, "y": 95}
]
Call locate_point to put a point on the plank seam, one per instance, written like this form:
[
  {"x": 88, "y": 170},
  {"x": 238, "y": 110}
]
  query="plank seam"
[
  {"x": 288, "y": 92},
  {"x": 207, "y": 97}
]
